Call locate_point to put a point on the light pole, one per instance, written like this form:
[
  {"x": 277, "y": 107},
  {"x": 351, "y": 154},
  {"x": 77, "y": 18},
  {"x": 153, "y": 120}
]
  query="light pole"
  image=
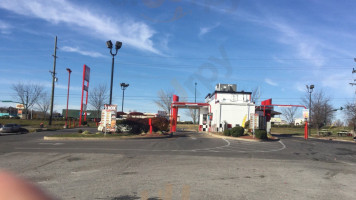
[
  {"x": 69, "y": 71},
  {"x": 123, "y": 87},
  {"x": 117, "y": 47},
  {"x": 310, "y": 90}
]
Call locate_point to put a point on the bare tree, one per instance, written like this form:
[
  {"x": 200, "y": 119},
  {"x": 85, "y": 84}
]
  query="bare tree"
[
  {"x": 256, "y": 94},
  {"x": 44, "y": 103},
  {"x": 338, "y": 123},
  {"x": 193, "y": 114},
  {"x": 322, "y": 112},
  {"x": 97, "y": 98},
  {"x": 27, "y": 94},
  {"x": 350, "y": 114},
  {"x": 164, "y": 100},
  {"x": 289, "y": 114}
]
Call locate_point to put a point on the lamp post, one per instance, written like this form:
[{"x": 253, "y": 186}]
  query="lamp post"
[
  {"x": 123, "y": 87},
  {"x": 69, "y": 71},
  {"x": 117, "y": 47},
  {"x": 310, "y": 90}
]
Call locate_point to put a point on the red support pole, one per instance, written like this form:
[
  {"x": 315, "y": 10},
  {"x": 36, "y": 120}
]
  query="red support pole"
[
  {"x": 73, "y": 123},
  {"x": 86, "y": 103},
  {"x": 174, "y": 114},
  {"x": 150, "y": 123},
  {"x": 70, "y": 123},
  {"x": 81, "y": 102},
  {"x": 171, "y": 119},
  {"x": 306, "y": 130}
]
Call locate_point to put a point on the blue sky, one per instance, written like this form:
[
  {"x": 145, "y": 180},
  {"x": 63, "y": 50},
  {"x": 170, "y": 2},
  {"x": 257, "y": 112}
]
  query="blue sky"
[{"x": 278, "y": 46}]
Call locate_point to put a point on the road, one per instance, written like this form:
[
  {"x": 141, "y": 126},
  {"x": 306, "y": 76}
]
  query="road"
[{"x": 186, "y": 166}]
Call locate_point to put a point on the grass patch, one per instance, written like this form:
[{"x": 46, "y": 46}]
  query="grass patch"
[
  {"x": 35, "y": 123},
  {"x": 314, "y": 133},
  {"x": 188, "y": 127}
]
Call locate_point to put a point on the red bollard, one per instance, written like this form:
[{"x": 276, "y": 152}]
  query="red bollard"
[
  {"x": 150, "y": 123},
  {"x": 306, "y": 130},
  {"x": 73, "y": 123},
  {"x": 70, "y": 123}
]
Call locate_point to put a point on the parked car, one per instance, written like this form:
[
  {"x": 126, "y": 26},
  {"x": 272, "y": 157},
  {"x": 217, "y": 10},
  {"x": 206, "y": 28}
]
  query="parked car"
[{"x": 10, "y": 128}]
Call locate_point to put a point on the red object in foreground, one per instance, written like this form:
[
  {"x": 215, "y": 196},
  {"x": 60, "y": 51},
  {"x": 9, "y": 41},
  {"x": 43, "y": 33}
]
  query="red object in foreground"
[
  {"x": 150, "y": 123},
  {"x": 83, "y": 108},
  {"x": 306, "y": 130}
]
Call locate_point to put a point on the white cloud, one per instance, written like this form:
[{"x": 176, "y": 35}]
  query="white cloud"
[
  {"x": 306, "y": 46},
  {"x": 300, "y": 87},
  {"x": 132, "y": 33},
  {"x": 270, "y": 82},
  {"x": 205, "y": 30},
  {"x": 82, "y": 52},
  {"x": 4, "y": 27}
]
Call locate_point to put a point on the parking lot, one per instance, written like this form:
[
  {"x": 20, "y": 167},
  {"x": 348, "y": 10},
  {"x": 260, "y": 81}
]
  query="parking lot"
[{"x": 185, "y": 166}]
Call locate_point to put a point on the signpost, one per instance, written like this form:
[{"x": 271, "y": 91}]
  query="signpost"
[
  {"x": 108, "y": 118},
  {"x": 85, "y": 88}
]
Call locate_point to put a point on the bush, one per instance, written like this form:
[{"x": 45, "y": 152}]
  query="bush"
[
  {"x": 80, "y": 131},
  {"x": 84, "y": 123},
  {"x": 237, "y": 131},
  {"x": 261, "y": 134},
  {"x": 138, "y": 125},
  {"x": 247, "y": 124},
  {"x": 160, "y": 124},
  {"x": 227, "y": 132}
]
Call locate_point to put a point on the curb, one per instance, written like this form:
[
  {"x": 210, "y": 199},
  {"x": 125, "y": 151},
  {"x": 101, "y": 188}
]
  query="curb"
[
  {"x": 103, "y": 138},
  {"x": 232, "y": 138},
  {"x": 319, "y": 138}
]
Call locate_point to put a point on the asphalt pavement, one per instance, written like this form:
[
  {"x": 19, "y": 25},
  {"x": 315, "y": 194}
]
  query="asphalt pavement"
[{"x": 186, "y": 166}]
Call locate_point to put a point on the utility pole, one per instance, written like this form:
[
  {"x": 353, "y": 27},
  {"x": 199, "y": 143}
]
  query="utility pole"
[
  {"x": 26, "y": 104},
  {"x": 53, "y": 80},
  {"x": 352, "y": 84}
]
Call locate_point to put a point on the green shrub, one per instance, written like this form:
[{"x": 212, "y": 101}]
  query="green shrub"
[
  {"x": 84, "y": 123},
  {"x": 237, "y": 131},
  {"x": 261, "y": 134},
  {"x": 247, "y": 124},
  {"x": 80, "y": 131},
  {"x": 227, "y": 132}
]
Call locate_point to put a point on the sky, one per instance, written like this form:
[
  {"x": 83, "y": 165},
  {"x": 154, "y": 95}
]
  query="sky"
[{"x": 278, "y": 47}]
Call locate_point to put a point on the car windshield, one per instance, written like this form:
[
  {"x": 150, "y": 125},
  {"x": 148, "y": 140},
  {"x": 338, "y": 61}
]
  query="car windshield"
[{"x": 9, "y": 125}]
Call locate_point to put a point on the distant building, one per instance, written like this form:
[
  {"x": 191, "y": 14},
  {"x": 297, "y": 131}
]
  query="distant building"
[
  {"x": 299, "y": 121},
  {"x": 74, "y": 114},
  {"x": 278, "y": 121}
]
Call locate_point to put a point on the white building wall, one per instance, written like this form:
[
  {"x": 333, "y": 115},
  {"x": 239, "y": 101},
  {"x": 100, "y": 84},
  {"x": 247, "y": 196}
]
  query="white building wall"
[{"x": 229, "y": 108}]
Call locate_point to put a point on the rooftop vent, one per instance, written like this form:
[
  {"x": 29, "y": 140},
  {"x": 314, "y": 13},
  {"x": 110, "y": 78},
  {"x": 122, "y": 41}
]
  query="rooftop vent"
[{"x": 226, "y": 87}]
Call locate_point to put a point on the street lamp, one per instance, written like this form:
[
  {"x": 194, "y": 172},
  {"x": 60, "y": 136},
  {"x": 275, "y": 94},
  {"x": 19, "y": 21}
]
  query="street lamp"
[
  {"x": 117, "y": 47},
  {"x": 69, "y": 71},
  {"x": 123, "y": 87},
  {"x": 310, "y": 90}
]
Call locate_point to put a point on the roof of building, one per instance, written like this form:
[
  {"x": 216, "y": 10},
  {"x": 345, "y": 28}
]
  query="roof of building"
[{"x": 226, "y": 92}]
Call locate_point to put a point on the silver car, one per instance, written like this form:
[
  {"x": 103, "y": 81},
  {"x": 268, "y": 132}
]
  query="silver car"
[{"x": 10, "y": 128}]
